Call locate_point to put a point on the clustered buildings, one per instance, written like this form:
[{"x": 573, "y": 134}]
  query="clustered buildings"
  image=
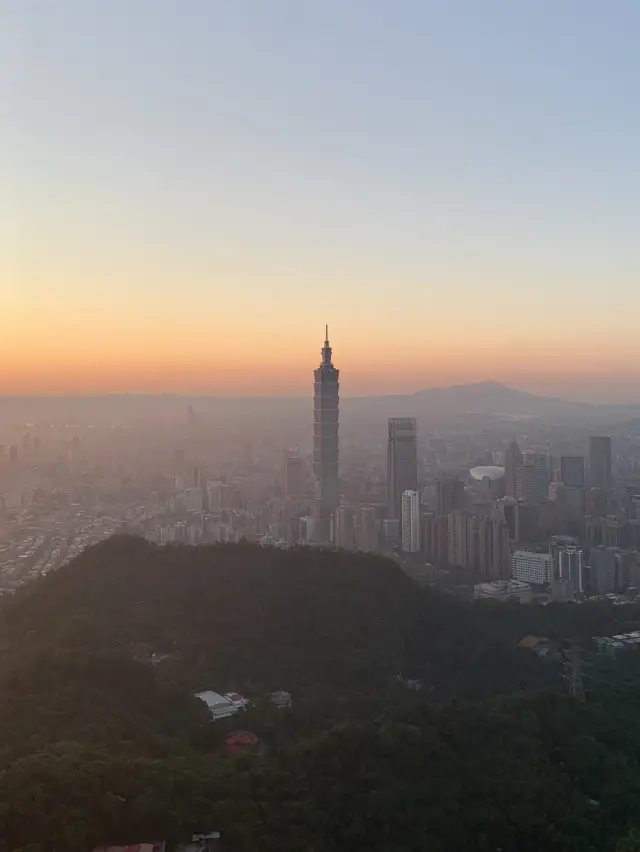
[
  {"x": 490, "y": 517},
  {"x": 519, "y": 526}
]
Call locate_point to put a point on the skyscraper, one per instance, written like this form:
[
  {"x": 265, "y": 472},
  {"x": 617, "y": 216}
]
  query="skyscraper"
[
  {"x": 600, "y": 463},
  {"x": 572, "y": 471},
  {"x": 402, "y": 462},
  {"x": 512, "y": 458},
  {"x": 449, "y": 495},
  {"x": 367, "y": 532},
  {"x": 568, "y": 569},
  {"x": 293, "y": 475},
  {"x": 325, "y": 440},
  {"x": 411, "y": 521},
  {"x": 461, "y": 528},
  {"x": 532, "y": 478},
  {"x": 345, "y": 527}
]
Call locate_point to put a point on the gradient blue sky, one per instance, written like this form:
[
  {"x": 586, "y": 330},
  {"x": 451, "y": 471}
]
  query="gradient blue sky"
[{"x": 192, "y": 188}]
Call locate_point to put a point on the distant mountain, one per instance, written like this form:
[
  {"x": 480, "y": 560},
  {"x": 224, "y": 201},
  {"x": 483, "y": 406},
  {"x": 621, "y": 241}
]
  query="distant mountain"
[
  {"x": 489, "y": 399},
  {"x": 486, "y": 399}
]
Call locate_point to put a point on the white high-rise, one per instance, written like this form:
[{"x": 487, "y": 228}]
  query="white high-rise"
[{"x": 411, "y": 521}]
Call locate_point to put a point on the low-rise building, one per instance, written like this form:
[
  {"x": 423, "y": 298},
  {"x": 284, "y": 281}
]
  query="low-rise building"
[
  {"x": 504, "y": 590},
  {"x": 281, "y": 698},
  {"x": 532, "y": 567},
  {"x": 221, "y": 706}
]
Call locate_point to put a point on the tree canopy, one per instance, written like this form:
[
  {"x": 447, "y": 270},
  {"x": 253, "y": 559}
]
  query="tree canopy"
[{"x": 102, "y": 739}]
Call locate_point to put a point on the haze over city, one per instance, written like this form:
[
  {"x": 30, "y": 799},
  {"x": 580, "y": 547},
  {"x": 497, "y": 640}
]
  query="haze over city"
[
  {"x": 319, "y": 426},
  {"x": 190, "y": 191}
]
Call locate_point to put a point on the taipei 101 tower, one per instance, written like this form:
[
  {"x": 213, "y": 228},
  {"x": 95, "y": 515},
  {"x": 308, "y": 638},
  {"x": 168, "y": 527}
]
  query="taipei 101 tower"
[{"x": 325, "y": 442}]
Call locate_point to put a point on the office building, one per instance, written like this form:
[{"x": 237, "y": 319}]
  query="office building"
[
  {"x": 450, "y": 495},
  {"x": 596, "y": 503},
  {"x": 532, "y": 567},
  {"x": 293, "y": 476},
  {"x": 507, "y": 510},
  {"x": 325, "y": 441},
  {"x": 532, "y": 478},
  {"x": 368, "y": 531},
  {"x": 402, "y": 462},
  {"x": 345, "y": 527},
  {"x": 600, "y": 463},
  {"x": 500, "y": 566},
  {"x": 572, "y": 500},
  {"x": 512, "y": 458},
  {"x": 390, "y": 534},
  {"x": 602, "y": 569},
  {"x": 572, "y": 471},
  {"x": 411, "y": 521},
  {"x": 568, "y": 567}
]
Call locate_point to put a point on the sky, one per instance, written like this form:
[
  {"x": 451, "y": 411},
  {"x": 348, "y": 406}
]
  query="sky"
[{"x": 191, "y": 190}]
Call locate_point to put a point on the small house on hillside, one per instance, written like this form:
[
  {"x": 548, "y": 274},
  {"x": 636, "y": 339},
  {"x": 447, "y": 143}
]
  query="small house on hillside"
[
  {"x": 281, "y": 699},
  {"x": 540, "y": 645},
  {"x": 221, "y": 706},
  {"x": 209, "y": 842}
]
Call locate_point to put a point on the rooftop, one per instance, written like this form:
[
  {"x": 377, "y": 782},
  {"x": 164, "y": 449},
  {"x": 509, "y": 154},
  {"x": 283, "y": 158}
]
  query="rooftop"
[{"x": 492, "y": 471}]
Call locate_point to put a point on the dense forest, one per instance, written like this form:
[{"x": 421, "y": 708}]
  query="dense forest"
[{"x": 102, "y": 739}]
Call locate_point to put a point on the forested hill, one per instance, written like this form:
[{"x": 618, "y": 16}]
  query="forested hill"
[
  {"x": 102, "y": 740},
  {"x": 250, "y": 618}
]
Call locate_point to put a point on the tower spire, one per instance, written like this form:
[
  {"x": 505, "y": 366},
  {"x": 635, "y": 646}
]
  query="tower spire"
[{"x": 326, "y": 349}]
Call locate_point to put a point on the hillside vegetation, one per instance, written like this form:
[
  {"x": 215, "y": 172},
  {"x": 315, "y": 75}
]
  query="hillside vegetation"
[{"x": 101, "y": 742}]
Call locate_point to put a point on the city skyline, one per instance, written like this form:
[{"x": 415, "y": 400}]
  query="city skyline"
[{"x": 459, "y": 180}]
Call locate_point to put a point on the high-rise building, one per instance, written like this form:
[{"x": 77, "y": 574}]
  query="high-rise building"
[
  {"x": 461, "y": 530},
  {"x": 606, "y": 532},
  {"x": 325, "y": 440},
  {"x": 512, "y": 458},
  {"x": 368, "y": 531},
  {"x": 293, "y": 476},
  {"x": 345, "y": 532},
  {"x": 603, "y": 565},
  {"x": 568, "y": 568},
  {"x": 572, "y": 471},
  {"x": 390, "y": 534},
  {"x": 434, "y": 537},
  {"x": 633, "y": 533},
  {"x": 402, "y": 462},
  {"x": 507, "y": 510},
  {"x": 600, "y": 463},
  {"x": 411, "y": 521},
  {"x": 489, "y": 549},
  {"x": 532, "y": 478},
  {"x": 450, "y": 495}
]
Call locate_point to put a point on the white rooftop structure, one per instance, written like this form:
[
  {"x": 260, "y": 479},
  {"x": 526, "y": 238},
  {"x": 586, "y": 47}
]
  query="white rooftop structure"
[
  {"x": 504, "y": 590},
  {"x": 219, "y": 705}
]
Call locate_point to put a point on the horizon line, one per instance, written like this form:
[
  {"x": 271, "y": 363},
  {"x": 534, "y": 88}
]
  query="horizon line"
[{"x": 180, "y": 395}]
